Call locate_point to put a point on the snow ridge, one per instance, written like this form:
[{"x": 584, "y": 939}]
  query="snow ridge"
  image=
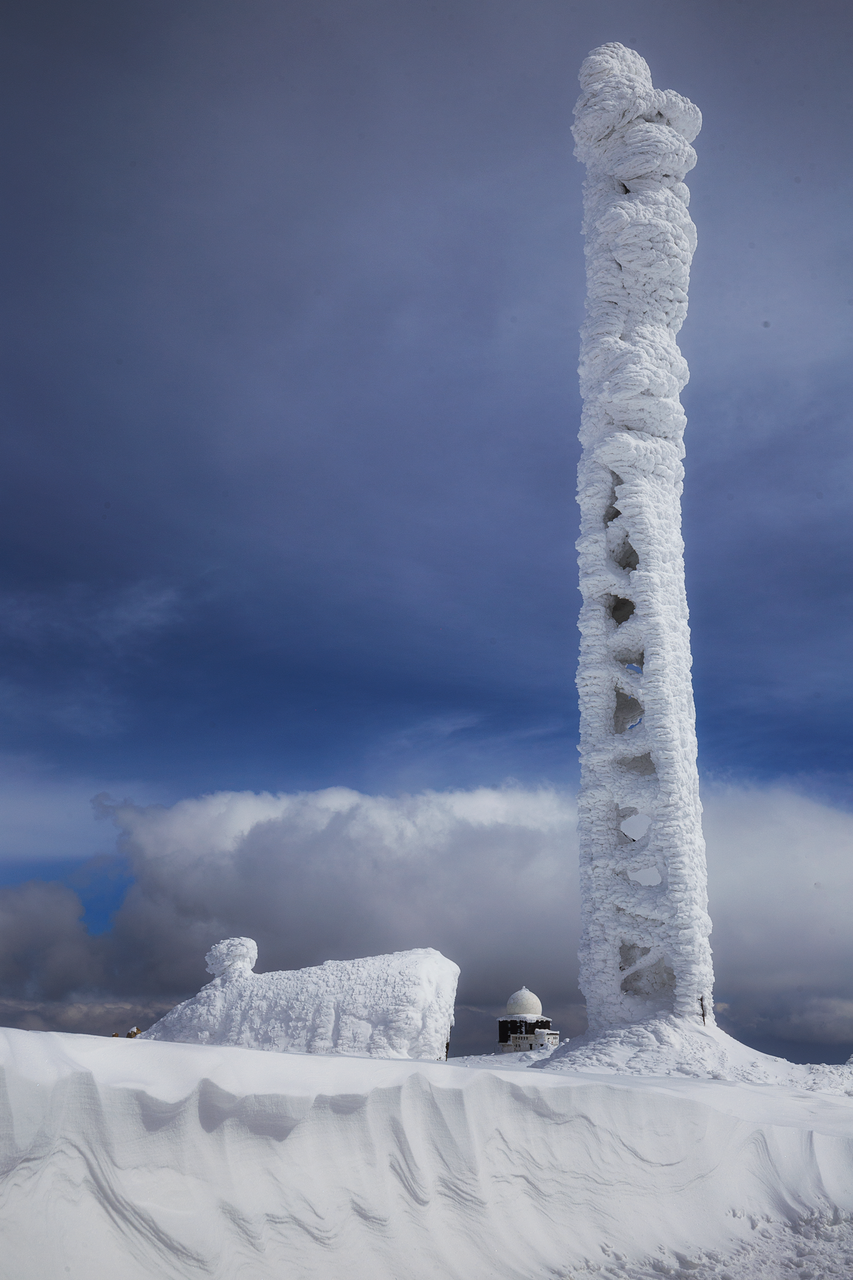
[
  {"x": 185, "y": 1162},
  {"x": 644, "y": 948}
]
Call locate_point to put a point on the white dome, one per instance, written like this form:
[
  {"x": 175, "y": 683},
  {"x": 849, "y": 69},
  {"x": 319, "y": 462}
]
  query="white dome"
[{"x": 524, "y": 1004}]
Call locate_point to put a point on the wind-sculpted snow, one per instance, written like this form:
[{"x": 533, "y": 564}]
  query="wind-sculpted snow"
[
  {"x": 644, "y": 947},
  {"x": 141, "y": 1160},
  {"x": 667, "y": 1046},
  {"x": 395, "y": 1006}
]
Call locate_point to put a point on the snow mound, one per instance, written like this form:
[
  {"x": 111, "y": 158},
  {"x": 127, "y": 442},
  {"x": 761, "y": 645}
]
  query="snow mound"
[
  {"x": 669, "y": 1046},
  {"x": 180, "y": 1162},
  {"x": 394, "y": 1006}
]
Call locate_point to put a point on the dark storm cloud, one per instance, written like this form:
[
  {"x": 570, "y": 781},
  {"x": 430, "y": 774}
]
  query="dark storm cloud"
[
  {"x": 295, "y": 387},
  {"x": 763, "y": 529},
  {"x": 44, "y": 951},
  {"x": 85, "y": 1017},
  {"x": 292, "y": 295}
]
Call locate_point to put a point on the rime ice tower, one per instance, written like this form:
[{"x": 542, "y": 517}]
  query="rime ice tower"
[{"x": 644, "y": 948}]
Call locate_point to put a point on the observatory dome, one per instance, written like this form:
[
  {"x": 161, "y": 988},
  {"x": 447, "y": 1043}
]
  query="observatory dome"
[{"x": 524, "y": 1004}]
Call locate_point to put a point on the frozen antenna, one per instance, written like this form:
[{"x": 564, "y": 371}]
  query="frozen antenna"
[{"x": 644, "y": 948}]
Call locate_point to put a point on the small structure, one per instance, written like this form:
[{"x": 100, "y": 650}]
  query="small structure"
[{"x": 523, "y": 1028}]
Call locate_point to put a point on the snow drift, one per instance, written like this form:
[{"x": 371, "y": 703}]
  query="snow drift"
[
  {"x": 141, "y": 1159},
  {"x": 670, "y": 1045},
  {"x": 395, "y": 1006}
]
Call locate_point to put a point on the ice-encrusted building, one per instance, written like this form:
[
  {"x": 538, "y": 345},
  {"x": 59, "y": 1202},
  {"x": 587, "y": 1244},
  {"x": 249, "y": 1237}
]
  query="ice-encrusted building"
[
  {"x": 393, "y": 1006},
  {"x": 523, "y": 1027},
  {"x": 645, "y": 944}
]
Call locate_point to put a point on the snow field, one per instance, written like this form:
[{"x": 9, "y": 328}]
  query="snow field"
[{"x": 146, "y": 1159}]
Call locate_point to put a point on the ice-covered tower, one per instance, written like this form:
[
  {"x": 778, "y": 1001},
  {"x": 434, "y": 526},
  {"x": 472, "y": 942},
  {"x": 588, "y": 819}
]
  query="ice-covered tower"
[{"x": 644, "y": 946}]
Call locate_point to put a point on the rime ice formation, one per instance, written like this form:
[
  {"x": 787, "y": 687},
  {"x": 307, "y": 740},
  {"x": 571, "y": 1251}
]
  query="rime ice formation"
[
  {"x": 644, "y": 947},
  {"x": 232, "y": 956},
  {"x": 394, "y": 1006}
]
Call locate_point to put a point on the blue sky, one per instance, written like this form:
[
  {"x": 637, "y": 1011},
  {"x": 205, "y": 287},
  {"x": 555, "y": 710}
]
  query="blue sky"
[{"x": 289, "y": 405}]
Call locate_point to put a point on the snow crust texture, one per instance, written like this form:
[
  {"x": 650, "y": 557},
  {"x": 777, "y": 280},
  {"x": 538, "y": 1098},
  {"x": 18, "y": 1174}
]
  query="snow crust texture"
[
  {"x": 141, "y": 1160},
  {"x": 644, "y": 947},
  {"x": 394, "y": 1006},
  {"x": 672, "y": 1046}
]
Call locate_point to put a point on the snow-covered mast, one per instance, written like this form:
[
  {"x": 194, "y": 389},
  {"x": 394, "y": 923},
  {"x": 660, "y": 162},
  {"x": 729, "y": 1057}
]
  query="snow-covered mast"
[{"x": 644, "y": 946}]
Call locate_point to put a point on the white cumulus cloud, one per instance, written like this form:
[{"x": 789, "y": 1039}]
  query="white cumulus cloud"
[{"x": 488, "y": 876}]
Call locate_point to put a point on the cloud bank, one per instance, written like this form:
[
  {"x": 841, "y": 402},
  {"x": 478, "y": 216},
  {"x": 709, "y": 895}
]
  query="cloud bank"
[{"x": 487, "y": 876}]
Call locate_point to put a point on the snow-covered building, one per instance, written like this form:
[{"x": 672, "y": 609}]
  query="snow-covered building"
[
  {"x": 393, "y": 1006},
  {"x": 523, "y": 1027},
  {"x": 644, "y": 947}
]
